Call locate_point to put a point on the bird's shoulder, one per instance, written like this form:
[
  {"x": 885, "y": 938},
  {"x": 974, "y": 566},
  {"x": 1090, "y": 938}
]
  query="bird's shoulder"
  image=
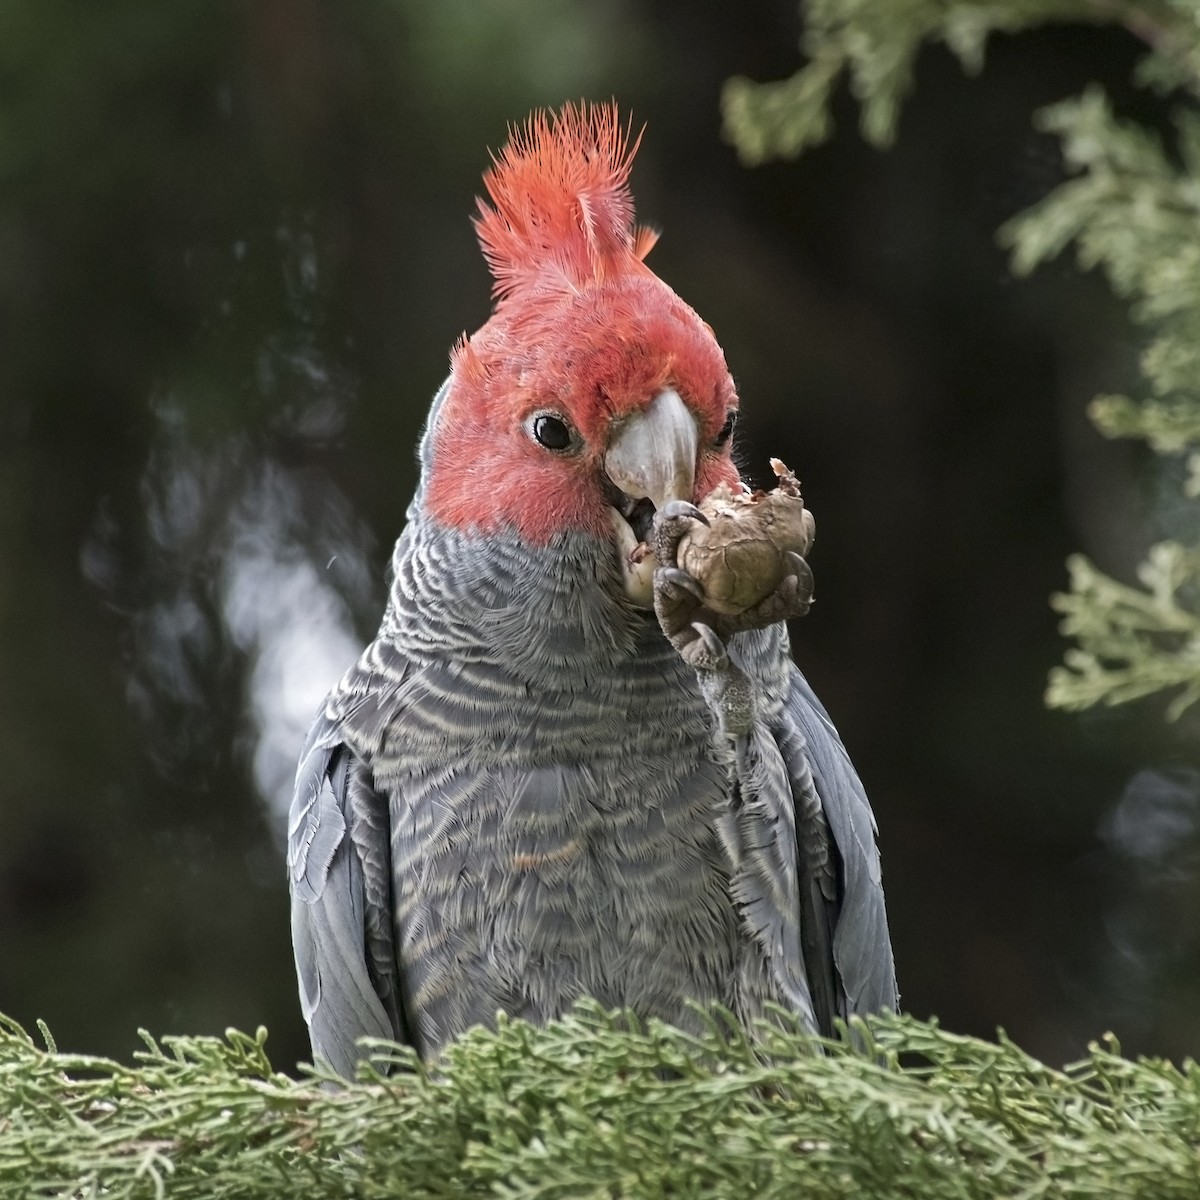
[
  {"x": 334, "y": 786},
  {"x": 361, "y": 710}
]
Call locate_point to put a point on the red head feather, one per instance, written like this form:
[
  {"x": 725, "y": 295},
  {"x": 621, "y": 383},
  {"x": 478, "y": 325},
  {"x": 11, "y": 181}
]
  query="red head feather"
[
  {"x": 560, "y": 202},
  {"x": 582, "y": 327}
]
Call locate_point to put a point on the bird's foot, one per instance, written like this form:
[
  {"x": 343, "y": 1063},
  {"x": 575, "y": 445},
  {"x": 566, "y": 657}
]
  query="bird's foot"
[
  {"x": 680, "y": 601},
  {"x": 700, "y": 634}
]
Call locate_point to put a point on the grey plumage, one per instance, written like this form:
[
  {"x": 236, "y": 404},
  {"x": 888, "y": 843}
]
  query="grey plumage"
[{"x": 520, "y": 796}]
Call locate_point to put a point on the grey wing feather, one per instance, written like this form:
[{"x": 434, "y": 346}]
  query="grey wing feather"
[
  {"x": 340, "y": 884},
  {"x": 764, "y": 848},
  {"x": 862, "y": 948}
]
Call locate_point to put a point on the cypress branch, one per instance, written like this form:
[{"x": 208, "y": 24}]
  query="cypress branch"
[
  {"x": 594, "y": 1107},
  {"x": 1130, "y": 208}
]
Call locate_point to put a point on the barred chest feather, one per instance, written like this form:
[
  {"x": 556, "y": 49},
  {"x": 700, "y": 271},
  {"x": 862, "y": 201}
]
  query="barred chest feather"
[{"x": 556, "y": 791}]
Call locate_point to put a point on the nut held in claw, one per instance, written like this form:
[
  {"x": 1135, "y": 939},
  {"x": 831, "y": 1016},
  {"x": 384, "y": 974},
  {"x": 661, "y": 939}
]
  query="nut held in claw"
[{"x": 740, "y": 557}]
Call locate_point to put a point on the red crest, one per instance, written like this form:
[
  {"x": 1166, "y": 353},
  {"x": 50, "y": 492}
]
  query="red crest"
[{"x": 561, "y": 214}]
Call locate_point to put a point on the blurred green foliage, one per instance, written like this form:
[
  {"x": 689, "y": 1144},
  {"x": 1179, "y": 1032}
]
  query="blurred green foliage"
[{"x": 1131, "y": 207}]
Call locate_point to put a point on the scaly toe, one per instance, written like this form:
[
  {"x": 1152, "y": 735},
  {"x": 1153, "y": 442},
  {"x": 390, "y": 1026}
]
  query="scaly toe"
[
  {"x": 680, "y": 510},
  {"x": 677, "y": 578},
  {"x": 707, "y": 652},
  {"x": 671, "y": 524}
]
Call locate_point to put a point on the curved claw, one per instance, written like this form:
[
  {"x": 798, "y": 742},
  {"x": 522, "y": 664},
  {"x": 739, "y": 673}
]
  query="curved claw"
[
  {"x": 797, "y": 565},
  {"x": 712, "y": 643},
  {"x": 679, "y": 579},
  {"x": 671, "y": 525},
  {"x": 679, "y": 510},
  {"x": 706, "y": 652},
  {"x": 801, "y": 593}
]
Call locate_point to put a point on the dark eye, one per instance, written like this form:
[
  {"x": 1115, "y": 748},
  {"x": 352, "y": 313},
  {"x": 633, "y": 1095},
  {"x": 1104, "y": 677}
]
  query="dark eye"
[
  {"x": 726, "y": 431},
  {"x": 551, "y": 431}
]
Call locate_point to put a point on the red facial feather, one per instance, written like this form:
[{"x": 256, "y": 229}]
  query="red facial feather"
[
  {"x": 582, "y": 328},
  {"x": 560, "y": 201}
]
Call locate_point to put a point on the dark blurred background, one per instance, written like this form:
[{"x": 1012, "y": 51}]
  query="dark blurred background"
[{"x": 234, "y": 254}]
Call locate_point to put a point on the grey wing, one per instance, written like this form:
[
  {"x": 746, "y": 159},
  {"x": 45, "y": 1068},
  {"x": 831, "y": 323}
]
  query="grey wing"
[
  {"x": 340, "y": 879},
  {"x": 824, "y": 778}
]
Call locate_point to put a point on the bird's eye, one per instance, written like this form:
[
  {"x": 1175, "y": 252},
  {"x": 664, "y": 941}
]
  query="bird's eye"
[
  {"x": 551, "y": 431},
  {"x": 726, "y": 431}
]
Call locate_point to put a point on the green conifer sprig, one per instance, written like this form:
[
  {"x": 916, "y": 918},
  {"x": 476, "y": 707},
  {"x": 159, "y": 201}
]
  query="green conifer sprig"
[
  {"x": 598, "y": 1107},
  {"x": 1130, "y": 208}
]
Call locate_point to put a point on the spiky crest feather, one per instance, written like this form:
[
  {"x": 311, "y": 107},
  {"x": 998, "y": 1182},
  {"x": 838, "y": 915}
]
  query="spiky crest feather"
[
  {"x": 561, "y": 210},
  {"x": 581, "y": 326}
]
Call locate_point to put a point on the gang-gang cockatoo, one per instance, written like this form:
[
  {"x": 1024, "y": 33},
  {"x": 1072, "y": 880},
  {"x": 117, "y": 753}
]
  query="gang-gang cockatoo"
[{"x": 555, "y": 773}]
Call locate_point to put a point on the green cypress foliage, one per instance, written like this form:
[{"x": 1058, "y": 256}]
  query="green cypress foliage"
[
  {"x": 593, "y": 1107},
  {"x": 1129, "y": 207}
]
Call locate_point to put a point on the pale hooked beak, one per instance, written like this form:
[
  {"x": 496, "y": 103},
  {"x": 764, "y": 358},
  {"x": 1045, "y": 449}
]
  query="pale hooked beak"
[{"x": 650, "y": 462}]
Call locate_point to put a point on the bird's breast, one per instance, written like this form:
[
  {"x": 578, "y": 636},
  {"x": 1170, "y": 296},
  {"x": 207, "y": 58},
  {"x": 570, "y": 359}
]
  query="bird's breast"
[
  {"x": 556, "y": 786},
  {"x": 552, "y": 844}
]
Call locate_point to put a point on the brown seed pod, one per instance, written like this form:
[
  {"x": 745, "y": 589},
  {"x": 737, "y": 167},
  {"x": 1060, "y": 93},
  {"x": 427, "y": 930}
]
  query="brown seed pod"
[{"x": 738, "y": 558}]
